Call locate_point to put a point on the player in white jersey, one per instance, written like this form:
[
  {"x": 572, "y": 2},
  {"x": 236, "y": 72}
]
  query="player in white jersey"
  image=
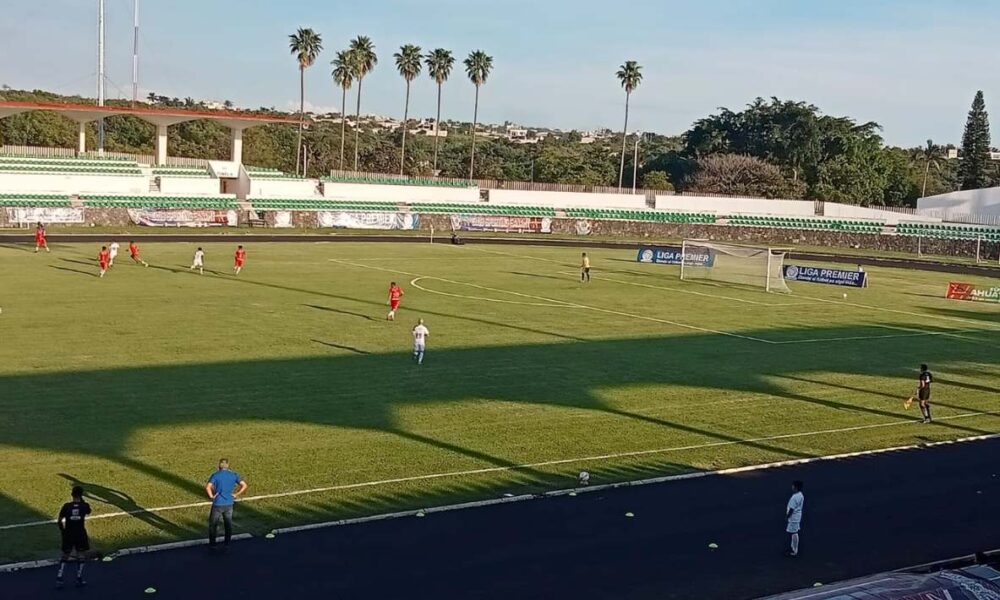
[
  {"x": 420, "y": 334},
  {"x": 793, "y": 516},
  {"x": 199, "y": 261},
  {"x": 113, "y": 252}
]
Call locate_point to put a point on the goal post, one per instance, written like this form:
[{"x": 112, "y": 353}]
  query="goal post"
[{"x": 757, "y": 266}]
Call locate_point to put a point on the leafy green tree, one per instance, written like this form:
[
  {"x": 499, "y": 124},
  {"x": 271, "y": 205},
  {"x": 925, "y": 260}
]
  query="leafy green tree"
[
  {"x": 305, "y": 44},
  {"x": 478, "y": 66},
  {"x": 630, "y": 76},
  {"x": 363, "y": 60},
  {"x": 657, "y": 180},
  {"x": 439, "y": 65},
  {"x": 408, "y": 63},
  {"x": 741, "y": 175},
  {"x": 343, "y": 76},
  {"x": 975, "y": 157}
]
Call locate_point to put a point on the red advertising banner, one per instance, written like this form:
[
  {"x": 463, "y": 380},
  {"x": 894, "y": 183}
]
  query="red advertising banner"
[{"x": 973, "y": 293}]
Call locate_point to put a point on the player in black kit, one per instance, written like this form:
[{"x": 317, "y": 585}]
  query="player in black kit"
[
  {"x": 924, "y": 381},
  {"x": 75, "y": 542}
]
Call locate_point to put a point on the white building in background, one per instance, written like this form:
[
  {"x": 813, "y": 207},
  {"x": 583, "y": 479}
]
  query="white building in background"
[
  {"x": 979, "y": 206},
  {"x": 428, "y": 127}
]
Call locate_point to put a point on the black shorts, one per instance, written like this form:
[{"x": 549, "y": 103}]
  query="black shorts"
[
  {"x": 586, "y": 269},
  {"x": 75, "y": 540},
  {"x": 924, "y": 394}
]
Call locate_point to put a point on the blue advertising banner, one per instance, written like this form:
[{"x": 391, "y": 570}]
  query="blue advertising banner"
[
  {"x": 671, "y": 255},
  {"x": 827, "y": 276}
]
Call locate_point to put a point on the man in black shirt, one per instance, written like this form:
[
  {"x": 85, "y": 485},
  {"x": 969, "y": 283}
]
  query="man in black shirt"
[
  {"x": 924, "y": 381},
  {"x": 74, "y": 535}
]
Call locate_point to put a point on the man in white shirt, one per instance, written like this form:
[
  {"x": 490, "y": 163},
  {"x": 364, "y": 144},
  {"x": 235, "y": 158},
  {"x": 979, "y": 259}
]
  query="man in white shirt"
[
  {"x": 113, "y": 248},
  {"x": 420, "y": 334},
  {"x": 793, "y": 515},
  {"x": 199, "y": 261}
]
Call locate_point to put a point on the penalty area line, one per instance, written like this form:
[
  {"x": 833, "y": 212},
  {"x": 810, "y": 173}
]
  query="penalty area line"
[
  {"x": 564, "y": 303},
  {"x": 582, "y": 459}
]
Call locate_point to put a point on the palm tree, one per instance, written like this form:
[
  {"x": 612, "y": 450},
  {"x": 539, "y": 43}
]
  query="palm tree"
[
  {"x": 305, "y": 45},
  {"x": 439, "y": 64},
  {"x": 931, "y": 154},
  {"x": 630, "y": 75},
  {"x": 408, "y": 64},
  {"x": 343, "y": 76},
  {"x": 477, "y": 66},
  {"x": 363, "y": 60}
]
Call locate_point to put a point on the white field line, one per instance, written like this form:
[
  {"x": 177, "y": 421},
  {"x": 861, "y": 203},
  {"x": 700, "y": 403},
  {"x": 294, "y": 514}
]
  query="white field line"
[
  {"x": 680, "y": 291},
  {"x": 562, "y": 461},
  {"x": 481, "y": 298},
  {"x": 555, "y": 302},
  {"x": 867, "y": 337},
  {"x": 979, "y": 324}
]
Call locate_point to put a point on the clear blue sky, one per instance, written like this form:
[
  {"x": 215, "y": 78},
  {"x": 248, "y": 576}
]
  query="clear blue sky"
[{"x": 911, "y": 65}]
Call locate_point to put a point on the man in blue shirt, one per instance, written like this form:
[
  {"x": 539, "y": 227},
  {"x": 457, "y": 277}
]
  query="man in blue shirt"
[{"x": 223, "y": 487}]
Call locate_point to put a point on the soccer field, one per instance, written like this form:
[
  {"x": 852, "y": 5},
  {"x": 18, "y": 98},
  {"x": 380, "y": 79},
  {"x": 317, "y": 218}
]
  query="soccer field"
[{"x": 137, "y": 383}]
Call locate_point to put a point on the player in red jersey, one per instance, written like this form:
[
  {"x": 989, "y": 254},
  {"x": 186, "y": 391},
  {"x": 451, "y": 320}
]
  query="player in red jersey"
[
  {"x": 40, "y": 238},
  {"x": 241, "y": 256},
  {"x": 395, "y": 294},
  {"x": 133, "y": 251},
  {"x": 104, "y": 257}
]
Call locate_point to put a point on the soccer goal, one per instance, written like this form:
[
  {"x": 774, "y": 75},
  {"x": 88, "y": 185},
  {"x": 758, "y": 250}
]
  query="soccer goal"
[{"x": 731, "y": 263}]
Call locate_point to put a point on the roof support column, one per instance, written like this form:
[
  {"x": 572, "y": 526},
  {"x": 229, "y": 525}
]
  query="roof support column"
[
  {"x": 236, "y": 152},
  {"x": 81, "y": 146},
  {"x": 161, "y": 144}
]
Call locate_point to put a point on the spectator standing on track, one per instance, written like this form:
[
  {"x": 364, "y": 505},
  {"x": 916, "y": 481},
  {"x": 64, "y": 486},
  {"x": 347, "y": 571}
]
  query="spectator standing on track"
[
  {"x": 223, "y": 487},
  {"x": 793, "y": 516}
]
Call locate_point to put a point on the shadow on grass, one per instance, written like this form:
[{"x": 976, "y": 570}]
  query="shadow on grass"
[
  {"x": 341, "y": 347},
  {"x": 77, "y": 271},
  {"x": 971, "y": 315},
  {"x": 125, "y": 503},
  {"x": 367, "y": 391}
]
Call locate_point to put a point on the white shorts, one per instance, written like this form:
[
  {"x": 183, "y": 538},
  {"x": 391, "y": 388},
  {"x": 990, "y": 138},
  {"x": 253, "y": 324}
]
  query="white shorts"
[
  {"x": 196, "y": 263},
  {"x": 113, "y": 254},
  {"x": 793, "y": 527}
]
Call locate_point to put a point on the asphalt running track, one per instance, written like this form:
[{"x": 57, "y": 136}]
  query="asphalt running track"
[
  {"x": 862, "y": 515},
  {"x": 985, "y": 269}
]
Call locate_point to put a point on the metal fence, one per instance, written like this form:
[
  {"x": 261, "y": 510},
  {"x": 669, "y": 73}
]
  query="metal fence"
[{"x": 149, "y": 159}]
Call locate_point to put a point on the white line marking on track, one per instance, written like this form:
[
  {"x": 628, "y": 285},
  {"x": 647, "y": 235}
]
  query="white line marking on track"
[
  {"x": 560, "y": 302},
  {"x": 564, "y": 461}
]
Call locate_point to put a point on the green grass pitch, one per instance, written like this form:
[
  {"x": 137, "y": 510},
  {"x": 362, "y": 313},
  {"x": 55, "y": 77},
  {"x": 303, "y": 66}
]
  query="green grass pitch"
[{"x": 136, "y": 384}]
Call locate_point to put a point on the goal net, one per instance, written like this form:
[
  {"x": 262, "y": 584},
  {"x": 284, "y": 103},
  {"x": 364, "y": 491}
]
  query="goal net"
[{"x": 731, "y": 263}]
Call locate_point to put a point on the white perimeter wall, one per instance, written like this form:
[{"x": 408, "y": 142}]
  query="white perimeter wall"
[
  {"x": 198, "y": 186},
  {"x": 73, "y": 184},
  {"x": 398, "y": 193},
  {"x": 745, "y": 206},
  {"x": 282, "y": 188},
  {"x": 984, "y": 202},
  {"x": 849, "y": 211},
  {"x": 568, "y": 199}
]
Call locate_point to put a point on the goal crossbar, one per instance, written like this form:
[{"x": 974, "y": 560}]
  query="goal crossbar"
[{"x": 757, "y": 266}]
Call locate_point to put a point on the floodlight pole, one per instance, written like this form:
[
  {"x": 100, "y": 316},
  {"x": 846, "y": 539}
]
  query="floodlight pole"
[
  {"x": 135, "y": 52},
  {"x": 100, "y": 73},
  {"x": 635, "y": 160}
]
